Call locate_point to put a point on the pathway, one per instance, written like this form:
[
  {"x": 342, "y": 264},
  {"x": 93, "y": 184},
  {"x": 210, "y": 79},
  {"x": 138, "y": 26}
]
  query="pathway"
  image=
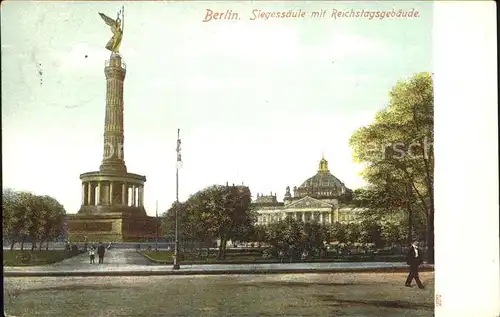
[{"x": 112, "y": 257}]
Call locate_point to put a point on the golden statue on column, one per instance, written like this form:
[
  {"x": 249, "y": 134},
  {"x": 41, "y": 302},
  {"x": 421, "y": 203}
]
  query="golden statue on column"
[{"x": 117, "y": 29}]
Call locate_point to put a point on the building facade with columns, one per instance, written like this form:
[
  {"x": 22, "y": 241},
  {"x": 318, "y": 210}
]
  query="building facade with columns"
[
  {"x": 112, "y": 206},
  {"x": 321, "y": 198}
]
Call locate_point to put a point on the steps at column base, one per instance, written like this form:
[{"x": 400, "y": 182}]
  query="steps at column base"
[{"x": 117, "y": 226}]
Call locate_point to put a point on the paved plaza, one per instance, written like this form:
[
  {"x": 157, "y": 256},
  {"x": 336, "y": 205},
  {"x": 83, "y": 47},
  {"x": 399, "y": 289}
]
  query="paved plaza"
[{"x": 343, "y": 294}]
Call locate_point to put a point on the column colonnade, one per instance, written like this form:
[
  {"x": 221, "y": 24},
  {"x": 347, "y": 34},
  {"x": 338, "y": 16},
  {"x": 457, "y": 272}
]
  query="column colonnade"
[
  {"x": 323, "y": 217},
  {"x": 95, "y": 193}
]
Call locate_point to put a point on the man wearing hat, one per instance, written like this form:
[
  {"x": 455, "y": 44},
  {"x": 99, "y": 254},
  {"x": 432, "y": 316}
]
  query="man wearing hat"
[{"x": 414, "y": 258}]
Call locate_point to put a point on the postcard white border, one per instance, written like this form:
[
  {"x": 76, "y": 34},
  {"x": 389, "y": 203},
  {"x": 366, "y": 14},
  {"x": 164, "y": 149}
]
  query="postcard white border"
[{"x": 466, "y": 152}]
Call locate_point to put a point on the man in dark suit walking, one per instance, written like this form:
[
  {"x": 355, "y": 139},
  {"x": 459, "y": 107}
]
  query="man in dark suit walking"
[
  {"x": 414, "y": 258},
  {"x": 100, "y": 252}
]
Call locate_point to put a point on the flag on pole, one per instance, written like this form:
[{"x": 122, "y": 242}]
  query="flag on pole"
[{"x": 179, "y": 157}]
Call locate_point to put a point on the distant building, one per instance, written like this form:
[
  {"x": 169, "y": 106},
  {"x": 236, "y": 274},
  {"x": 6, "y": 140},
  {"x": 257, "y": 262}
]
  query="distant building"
[{"x": 321, "y": 198}]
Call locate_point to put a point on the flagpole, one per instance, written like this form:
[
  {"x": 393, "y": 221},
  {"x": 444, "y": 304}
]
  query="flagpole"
[
  {"x": 156, "y": 222},
  {"x": 176, "y": 250}
]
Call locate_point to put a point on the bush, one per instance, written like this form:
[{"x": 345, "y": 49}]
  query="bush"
[
  {"x": 24, "y": 258},
  {"x": 316, "y": 253},
  {"x": 270, "y": 253},
  {"x": 27, "y": 257}
]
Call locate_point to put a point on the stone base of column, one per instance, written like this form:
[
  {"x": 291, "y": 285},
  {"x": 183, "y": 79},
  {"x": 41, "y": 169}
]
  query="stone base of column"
[
  {"x": 113, "y": 166},
  {"x": 112, "y": 227},
  {"x": 134, "y": 211}
]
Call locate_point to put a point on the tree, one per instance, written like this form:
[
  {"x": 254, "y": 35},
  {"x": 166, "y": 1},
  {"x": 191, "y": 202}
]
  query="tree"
[
  {"x": 314, "y": 235},
  {"x": 22, "y": 220},
  {"x": 242, "y": 217},
  {"x": 380, "y": 201},
  {"x": 338, "y": 232},
  {"x": 221, "y": 212},
  {"x": 36, "y": 213},
  {"x": 257, "y": 234},
  {"x": 353, "y": 232},
  {"x": 293, "y": 233},
  {"x": 285, "y": 232},
  {"x": 397, "y": 150},
  {"x": 184, "y": 225},
  {"x": 53, "y": 220},
  {"x": 370, "y": 232},
  {"x": 274, "y": 234},
  {"x": 225, "y": 211},
  {"x": 394, "y": 233},
  {"x": 39, "y": 218},
  {"x": 12, "y": 216}
]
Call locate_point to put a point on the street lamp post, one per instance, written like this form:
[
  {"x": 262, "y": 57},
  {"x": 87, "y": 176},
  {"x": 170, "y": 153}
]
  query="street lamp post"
[
  {"x": 409, "y": 192},
  {"x": 156, "y": 224},
  {"x": 179, "y": 162}
]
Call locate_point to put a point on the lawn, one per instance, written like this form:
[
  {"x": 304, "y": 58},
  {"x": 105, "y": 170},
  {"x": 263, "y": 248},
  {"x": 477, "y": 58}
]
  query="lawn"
[{"x": 28, "y": 258}]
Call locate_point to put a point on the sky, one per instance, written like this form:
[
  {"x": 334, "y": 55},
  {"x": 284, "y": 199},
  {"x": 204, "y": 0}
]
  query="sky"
[{"x": 257, "y": 102}]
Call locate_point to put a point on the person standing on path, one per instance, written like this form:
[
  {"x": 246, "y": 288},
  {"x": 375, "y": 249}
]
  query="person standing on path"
[
  {"x": 100, "y": 251},
  {"x": 92, "y": 254},
  {"x": 414, "y": 258}
]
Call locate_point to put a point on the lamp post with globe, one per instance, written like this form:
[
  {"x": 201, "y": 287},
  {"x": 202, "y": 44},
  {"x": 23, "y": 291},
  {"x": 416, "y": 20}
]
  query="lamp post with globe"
[
  {"x": 178, "y": 166},
  {"x": 409, "y": 200}
]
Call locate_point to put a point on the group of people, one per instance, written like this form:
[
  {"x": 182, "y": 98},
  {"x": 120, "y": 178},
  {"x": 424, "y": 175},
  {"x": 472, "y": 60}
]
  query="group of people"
[{"x": 100, "y": 250}]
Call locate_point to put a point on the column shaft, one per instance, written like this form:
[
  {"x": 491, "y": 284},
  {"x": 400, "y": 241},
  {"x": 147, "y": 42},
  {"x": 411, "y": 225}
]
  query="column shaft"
[
  {"x": 98, "y": 198},
  {"x": 111, "y": 198},
  {"x": 133, "y": 196},
  {"x": 141, "y": 196},
  {"x": 124, "y": 194},
  {"x": 84, "y": 201},
  {"x": 303, "y": 217},
  {"x": 129, "y": 195},
  {"x": 89, "y": 194}
]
